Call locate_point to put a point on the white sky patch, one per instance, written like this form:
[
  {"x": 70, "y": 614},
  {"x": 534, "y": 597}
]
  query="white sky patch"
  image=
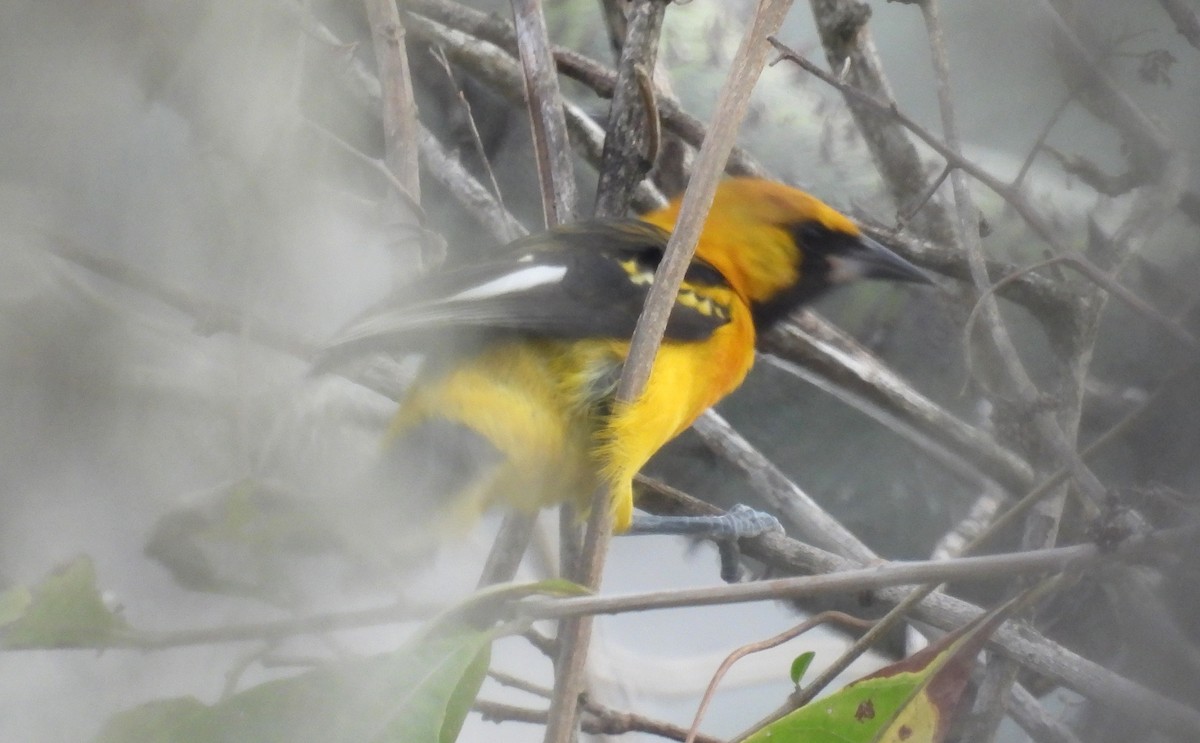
[{"x": 517, "y": 281}]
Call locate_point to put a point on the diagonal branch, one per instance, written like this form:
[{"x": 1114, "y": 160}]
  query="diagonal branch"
[
  {"x": 952, "y": 155},
  {"x": 731, "y": 105},
  {"x": 399, "y": 109},
  {"x": 1187, "y": 22},
  {"x": 496, "y": 67},
  {"x": 550, "y": 146},
  {"x": 596, "y": 76},
  {"x": 1031, "y": 649},
  {"x": 472, "y": 195},
  {"x": 1042, "y": 524},
  {"x": 820, "y": 349},
  {"x": 1025, "y": 645},
  {"x": 849, "y": 47}
]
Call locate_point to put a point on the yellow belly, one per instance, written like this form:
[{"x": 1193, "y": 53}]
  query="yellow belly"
[{"x": 546, "y": 408}]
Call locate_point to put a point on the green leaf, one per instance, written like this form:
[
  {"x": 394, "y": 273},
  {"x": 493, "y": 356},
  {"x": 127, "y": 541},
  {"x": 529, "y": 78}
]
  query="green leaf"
[
  {"x": 180, "y": 720},
  {"x": 64, "y": 611},
  {"x": 458, "y": 705},
  {"x": 910, "y": 701},
  {"x": 855, "y": 714},
  {"x": 800, "y": 666},
  {"x": 418, "y": 694},
  {"x": 13, "y": 604}
]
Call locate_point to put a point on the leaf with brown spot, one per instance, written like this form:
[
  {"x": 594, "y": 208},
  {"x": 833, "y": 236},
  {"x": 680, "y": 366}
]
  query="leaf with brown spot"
[
  {"x": 865, "y": 711},
  {"x": 911, "y": 701}
]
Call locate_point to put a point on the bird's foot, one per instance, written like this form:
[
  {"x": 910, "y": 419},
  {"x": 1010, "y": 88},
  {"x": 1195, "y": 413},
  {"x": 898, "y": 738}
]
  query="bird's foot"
[{"x": 725, "y": 530}]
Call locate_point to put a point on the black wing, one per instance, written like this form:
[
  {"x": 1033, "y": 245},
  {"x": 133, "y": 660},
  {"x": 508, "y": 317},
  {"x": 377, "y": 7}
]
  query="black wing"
[{"x": 584, "y": 280}]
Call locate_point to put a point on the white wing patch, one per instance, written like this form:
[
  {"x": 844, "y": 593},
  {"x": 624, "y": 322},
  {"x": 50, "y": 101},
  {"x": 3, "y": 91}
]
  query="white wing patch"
[{"x": 518, "y": 281}]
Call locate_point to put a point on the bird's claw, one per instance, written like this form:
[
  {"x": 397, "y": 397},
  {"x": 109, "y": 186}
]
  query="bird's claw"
[{"x": 725, "y": 530}]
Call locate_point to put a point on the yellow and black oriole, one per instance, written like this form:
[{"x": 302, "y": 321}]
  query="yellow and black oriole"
[{"x": 514, "y": 403}]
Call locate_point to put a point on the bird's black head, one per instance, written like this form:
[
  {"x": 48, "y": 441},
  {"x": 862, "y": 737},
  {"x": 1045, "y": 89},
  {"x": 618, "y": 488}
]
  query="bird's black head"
[{"x": 830, "y": 256}]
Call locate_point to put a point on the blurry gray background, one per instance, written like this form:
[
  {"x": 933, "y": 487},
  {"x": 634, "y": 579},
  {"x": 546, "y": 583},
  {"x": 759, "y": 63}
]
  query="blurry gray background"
[{"x": 176, "y": 138}]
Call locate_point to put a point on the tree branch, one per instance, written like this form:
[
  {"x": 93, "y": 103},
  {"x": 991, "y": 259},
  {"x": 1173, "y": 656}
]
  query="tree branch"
[
  {"x": 1024, "y": 645},
  {"x": 494, "y": 66},
  {"x": 842, "y": 25},
  {"x": 627, "y": 158},
  {"x": 1187, "y": 22},
  {"x": 818, "y": 348},
  {"x": 850, "y": 581},
  {"x": 399, "y": 109},
  {"x": 591, "y": 73},
  {"x": 731, "y": 105},
  {"x": 1035, "y": 220},
  {"x": 550, "y": 145},
  {"x": 600, "y": 720}
]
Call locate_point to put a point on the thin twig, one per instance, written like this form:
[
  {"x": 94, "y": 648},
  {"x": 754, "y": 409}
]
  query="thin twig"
[
  {"x": 1042, "y": 526},
  {"x": 492, "y": 711},
  {"x": 599, "y": 720},
  {"x": 862, "y": 644},
  {"x": 756, "y": 647},
  {"x": 998, "y": 342},
  {"x": 1027, "y": 646},
  {"x": 556, "y": 178},
  {"x": 1040, "y": 140},
  {"x": 1052, "y": 303},
  {"x": 440, "y": 55},
  {"x": 596, "y": 76},
  {"x": 1109, "y": 284},
  {"x": 444, "y": 167},
  {"x": 1059, "y": 476},
  {"x": 515, "y": 682},
  {"x": 374, "y": 164},
  {"x": 1150, "y": 149},
  {"x": 905, "y": 215},
  {"x": 932, "y": 446},
  {"x": 277, "y": 630},
  {"x": 607, "y": 721},
  {"x": 1032, "y": 217},
  {"x": 1095, "y": 176},
  {"x": 547, "y": 646},
  {"x": 849, "y": 48},
  {"x": 497, "y": 68},
  {"x": 645, "y": 86},
  {"x": 470, "y": 194}
]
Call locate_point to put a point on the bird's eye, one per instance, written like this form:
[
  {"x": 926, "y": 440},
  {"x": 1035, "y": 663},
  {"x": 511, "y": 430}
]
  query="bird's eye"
[{"x": 810, "y": 233}]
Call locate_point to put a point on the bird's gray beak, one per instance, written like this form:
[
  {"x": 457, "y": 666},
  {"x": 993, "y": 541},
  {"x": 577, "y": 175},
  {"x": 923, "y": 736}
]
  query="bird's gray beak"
[{"x": 869, "y": 259}]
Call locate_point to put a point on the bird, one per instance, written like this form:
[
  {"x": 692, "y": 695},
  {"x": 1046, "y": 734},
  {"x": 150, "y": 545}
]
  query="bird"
[{"x": 515, "y": 400}]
